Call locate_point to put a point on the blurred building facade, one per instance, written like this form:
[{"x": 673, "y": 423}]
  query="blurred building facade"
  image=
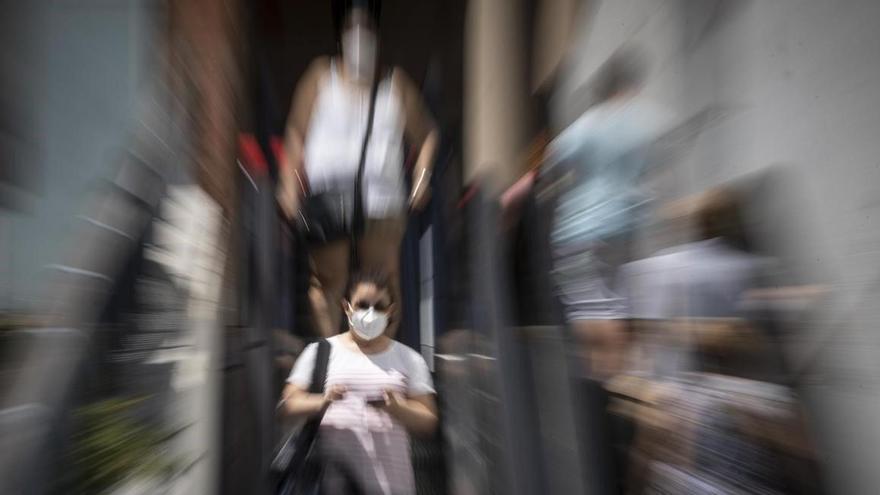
[{"x": 778, "y": 98}]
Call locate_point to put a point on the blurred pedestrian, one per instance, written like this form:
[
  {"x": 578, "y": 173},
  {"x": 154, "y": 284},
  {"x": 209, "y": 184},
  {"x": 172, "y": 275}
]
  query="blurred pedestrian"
[
  {"x": 348, "y": 124},
  {"x": 376, "y": 392},
  {"x": 601, "y": 156},
  {"x": 706, "y": 277}
]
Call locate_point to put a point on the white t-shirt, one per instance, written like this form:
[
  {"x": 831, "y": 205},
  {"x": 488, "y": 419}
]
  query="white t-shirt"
[
  {"x": 355, "y": 369},
  {"x": 371, "y": 445},
  {"x": 335, "y": 137}
]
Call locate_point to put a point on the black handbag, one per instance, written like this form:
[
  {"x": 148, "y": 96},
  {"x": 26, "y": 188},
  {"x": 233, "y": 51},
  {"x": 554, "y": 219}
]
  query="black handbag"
[
  {"x": 297, "y": 466},
  {"x": 331, "y": 216}
]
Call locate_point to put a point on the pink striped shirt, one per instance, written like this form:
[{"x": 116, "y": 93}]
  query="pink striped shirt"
[{"x": 373, "y": 445}]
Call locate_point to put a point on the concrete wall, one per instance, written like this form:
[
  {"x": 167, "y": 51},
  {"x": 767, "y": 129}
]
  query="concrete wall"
[
  {"x": 495, "y": 92},
  {"x": 791, "y": 82},
  {"x": 81, "y": 64}
]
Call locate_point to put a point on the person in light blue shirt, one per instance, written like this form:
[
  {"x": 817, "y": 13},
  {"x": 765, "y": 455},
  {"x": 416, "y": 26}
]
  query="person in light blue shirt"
[
  {"x": 602, "y": 156},
  {"x": 605, "y": 151}
]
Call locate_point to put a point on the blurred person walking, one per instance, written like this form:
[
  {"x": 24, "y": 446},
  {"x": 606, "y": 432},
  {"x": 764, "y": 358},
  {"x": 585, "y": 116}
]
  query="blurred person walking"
[
  {"x": 343, "y": 177},
  {"x": 376, "y": 392},
  {"x": 707, "y": 277},
  {"x": 710, "y": 370},
  {"x": 602, "y": 156}
]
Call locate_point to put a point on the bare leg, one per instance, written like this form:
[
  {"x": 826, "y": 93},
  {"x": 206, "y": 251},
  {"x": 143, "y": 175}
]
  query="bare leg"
[
  {"x": 320, "y": 309},
  {"x": 380, "y": 250},
  {"x": 330, "y": 267}
]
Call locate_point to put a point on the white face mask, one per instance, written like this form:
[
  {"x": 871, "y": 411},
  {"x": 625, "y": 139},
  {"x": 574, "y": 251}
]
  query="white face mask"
[
  {"x": 359, "y": 50},
  {"x": 368, "y": 324}
]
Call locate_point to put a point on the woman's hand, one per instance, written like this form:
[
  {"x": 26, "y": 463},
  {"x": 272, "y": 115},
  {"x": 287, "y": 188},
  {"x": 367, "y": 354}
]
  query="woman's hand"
[
  {"x": 393, "y": 402},
  {"x": 333, "y": 394},
  {"x": 418, "y": 414},
  {"x": 297, "y": 401}
]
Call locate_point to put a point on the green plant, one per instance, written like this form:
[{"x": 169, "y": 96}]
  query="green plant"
[{"x": 109, "y": 446}]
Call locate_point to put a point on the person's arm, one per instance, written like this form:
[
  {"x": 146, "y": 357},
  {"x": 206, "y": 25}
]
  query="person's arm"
[
  {"x": 421, "y": 191},
  {"x": 556, "y": 172},
  {"x": 291, "y": 176},
  {"x": 421, "y": 132},
  {"x": 418, "y": 414},
  {"x": 296, "y": 401},
  {"x": 416, "y": 409}
]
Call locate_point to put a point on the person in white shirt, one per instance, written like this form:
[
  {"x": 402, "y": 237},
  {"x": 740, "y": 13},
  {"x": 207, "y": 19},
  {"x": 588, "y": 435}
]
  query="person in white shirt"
[
  {"x": 377, "y": 391},
  {"x": 323, "y": 144},
  {"x": 703, "y": 279}
]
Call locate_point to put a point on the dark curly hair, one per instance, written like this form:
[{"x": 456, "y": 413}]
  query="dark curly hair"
[{"x": 369, "y": 277}]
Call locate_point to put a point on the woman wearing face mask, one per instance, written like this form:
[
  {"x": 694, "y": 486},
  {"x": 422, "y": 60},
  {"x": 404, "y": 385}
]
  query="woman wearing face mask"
[
  {"x": 377, "y": 390},
  {"x": 324, "y": 140}
]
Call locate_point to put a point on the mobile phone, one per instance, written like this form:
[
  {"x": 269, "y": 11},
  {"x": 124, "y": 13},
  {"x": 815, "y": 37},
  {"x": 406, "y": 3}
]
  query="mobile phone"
[{"x": 376, "y": 401}]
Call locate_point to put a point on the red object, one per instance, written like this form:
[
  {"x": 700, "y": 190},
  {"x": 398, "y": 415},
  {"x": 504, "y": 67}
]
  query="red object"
[{"x": 251, "y": 154}]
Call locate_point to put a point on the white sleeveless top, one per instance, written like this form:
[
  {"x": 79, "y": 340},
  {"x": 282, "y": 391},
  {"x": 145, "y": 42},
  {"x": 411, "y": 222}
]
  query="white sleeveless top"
[{"x": 335, "y": 136}]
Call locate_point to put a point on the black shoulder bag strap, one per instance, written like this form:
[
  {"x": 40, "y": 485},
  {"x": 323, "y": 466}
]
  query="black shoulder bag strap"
[
  {"x": 319, "y": 373},
  {"x": 357, "y": 220},
  {"x": 319, "y": 376},
  {"x": 299, "y": 468}
]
